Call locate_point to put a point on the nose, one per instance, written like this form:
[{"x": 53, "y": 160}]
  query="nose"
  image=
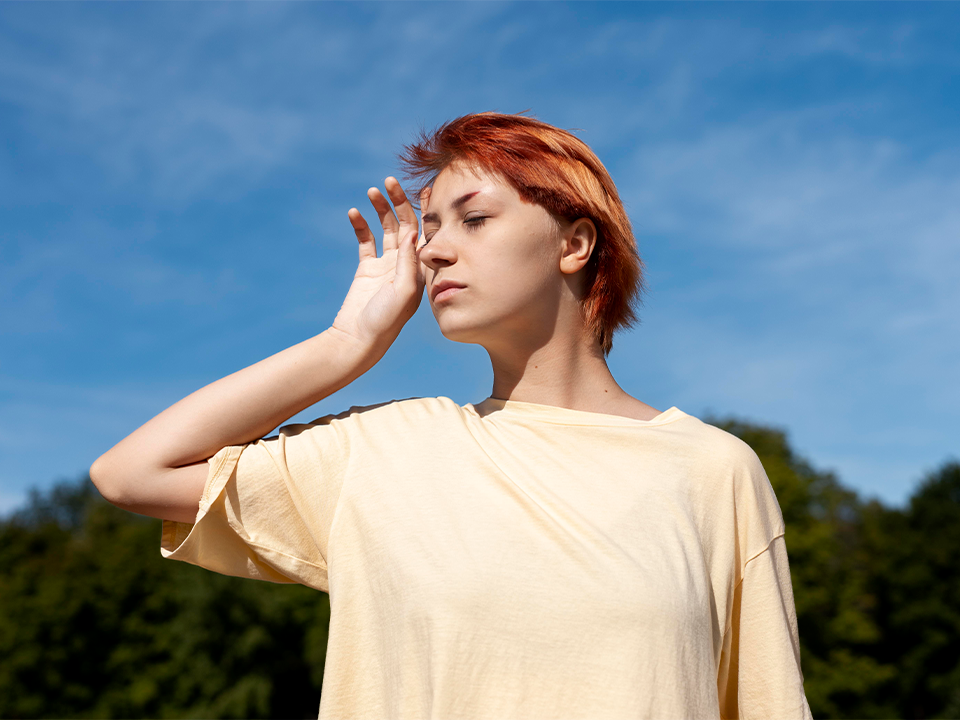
[{"x": 438, "y": 252}]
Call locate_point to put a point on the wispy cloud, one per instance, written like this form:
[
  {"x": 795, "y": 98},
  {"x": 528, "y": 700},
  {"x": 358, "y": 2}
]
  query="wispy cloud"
[{"x": 172, "y": 201}]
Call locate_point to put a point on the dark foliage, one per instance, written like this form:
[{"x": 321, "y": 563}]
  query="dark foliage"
[
  {"x": 94, "y": 623},
  {"x": 917, "y": 580}
]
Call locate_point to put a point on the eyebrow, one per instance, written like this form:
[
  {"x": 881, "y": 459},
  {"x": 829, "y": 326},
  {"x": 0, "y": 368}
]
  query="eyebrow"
[{"x": 455, "y": 205}]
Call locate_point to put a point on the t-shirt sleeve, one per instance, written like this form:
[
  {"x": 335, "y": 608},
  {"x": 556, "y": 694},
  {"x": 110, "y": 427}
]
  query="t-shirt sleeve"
[
  {"x": 267, "y": 507},
  {"x": 760, "y": 675}
]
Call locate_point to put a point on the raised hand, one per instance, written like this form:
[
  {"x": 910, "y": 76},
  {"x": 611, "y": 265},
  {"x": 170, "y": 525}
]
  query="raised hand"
[{"x": 386, "y": 290}]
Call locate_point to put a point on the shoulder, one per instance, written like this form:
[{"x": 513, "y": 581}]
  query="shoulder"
[
  {"x": 736, "y": 489},
  {"x": 724, "y": 465},
  {"x": 395, "y": 413},
  {"x": 712, "y": 445},
  {"x": 394, "y": 423},
  {"x": 413, "y": 407}
]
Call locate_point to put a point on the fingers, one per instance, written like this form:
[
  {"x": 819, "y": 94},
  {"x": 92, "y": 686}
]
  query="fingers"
[
  {"x": 368, "y": 243},
  {"x": 406, "y": 215},
  {"x": 409, "y": 273},
  {"x": 396, "y": 227},
  {"x": 388, "y": 220}
]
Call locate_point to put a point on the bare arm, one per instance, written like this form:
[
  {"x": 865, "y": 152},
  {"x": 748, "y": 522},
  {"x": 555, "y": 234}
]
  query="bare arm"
[{"x": 160, "y": 469}]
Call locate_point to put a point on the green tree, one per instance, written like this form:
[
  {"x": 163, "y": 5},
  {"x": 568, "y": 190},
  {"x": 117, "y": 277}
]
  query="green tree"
[
  {"x": 918, "y": 581},
  {"x": 94, "y": 623}
]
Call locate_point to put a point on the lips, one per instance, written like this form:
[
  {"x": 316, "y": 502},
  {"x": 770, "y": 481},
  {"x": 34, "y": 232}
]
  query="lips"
[{"x": 444, "y": 285}]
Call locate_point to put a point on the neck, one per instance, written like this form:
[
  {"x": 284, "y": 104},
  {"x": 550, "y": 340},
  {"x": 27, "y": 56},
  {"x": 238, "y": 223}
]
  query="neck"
[{"x": 568, "y": 370}]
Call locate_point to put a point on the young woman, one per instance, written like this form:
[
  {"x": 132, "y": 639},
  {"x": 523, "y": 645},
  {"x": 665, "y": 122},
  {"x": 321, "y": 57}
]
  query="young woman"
[{"x": 558, "y": 550}]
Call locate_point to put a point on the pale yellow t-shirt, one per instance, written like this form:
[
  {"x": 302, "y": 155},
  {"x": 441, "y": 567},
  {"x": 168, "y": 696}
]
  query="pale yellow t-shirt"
[{"x": 517, "y": 560}]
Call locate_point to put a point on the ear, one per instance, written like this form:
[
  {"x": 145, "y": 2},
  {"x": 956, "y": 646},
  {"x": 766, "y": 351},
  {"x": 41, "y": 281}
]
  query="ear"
[{"x": 579, "y": 240}]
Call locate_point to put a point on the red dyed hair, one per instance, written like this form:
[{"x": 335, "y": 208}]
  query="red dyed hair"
[{"x": 556, "y": 170}]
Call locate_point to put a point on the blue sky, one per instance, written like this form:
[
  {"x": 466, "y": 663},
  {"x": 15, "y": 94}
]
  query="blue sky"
[{"x": 174, "y": 181}]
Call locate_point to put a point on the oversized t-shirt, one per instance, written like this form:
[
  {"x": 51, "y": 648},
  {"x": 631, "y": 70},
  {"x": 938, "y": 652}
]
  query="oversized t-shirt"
[{"x": 518, "y": 560}]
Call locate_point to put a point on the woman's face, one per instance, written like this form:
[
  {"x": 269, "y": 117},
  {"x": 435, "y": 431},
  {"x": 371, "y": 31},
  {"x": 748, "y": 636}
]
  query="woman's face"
[{"x": 503, "y": 252}]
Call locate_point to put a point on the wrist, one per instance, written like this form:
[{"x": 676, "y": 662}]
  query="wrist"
[{"x": 353, "y": 352}]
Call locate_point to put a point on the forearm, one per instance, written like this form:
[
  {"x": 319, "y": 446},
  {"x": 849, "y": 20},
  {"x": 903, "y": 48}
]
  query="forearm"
[{"x": 237, "y": 409}]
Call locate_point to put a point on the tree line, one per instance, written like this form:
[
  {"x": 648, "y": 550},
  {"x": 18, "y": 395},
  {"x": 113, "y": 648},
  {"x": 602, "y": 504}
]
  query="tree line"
[{"x": 94, "y": 623}]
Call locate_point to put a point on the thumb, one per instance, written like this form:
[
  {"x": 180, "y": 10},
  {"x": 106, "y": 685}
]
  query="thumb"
[{"x": 408, "y": 275}]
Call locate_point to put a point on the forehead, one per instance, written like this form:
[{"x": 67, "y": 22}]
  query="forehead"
[{"x": 460, "y": 178}]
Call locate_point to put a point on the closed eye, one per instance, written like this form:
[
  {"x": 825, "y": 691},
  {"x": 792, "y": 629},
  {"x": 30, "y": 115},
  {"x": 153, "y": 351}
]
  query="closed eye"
[{"x": 473, "y": 223}]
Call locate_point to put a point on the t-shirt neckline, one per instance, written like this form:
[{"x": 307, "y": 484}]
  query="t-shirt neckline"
[{"x": 492, "y": 407}]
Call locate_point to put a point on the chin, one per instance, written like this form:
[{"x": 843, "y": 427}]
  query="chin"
[
  {"x": 460, "y": 332},
  {"x": 461, "y": 335}
]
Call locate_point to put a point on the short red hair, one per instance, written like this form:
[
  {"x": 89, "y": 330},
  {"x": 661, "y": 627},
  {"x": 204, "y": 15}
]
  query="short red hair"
[{"x": 556, "y": 170}]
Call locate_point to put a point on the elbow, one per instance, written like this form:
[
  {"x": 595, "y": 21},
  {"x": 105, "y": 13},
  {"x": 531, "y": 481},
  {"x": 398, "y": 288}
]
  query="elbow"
[{"x": 105, "y": 478}]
